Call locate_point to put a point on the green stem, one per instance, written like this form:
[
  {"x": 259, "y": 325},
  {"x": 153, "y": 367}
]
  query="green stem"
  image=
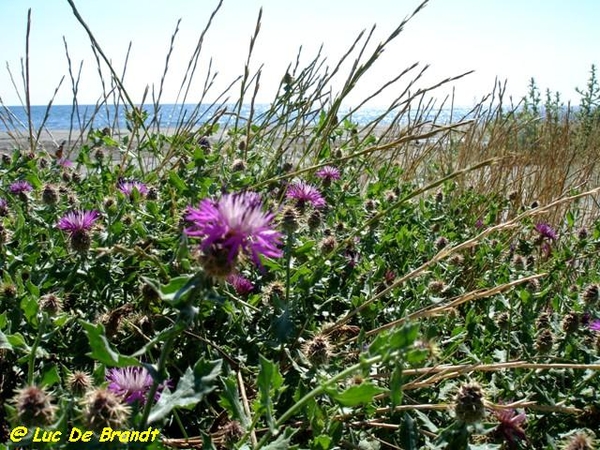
[
  {"x": 320, "y": 390},
  {"x": 183, "y": 320},
  {"x": 178, "y": 327},
  {"x": 34, "y": 347}
]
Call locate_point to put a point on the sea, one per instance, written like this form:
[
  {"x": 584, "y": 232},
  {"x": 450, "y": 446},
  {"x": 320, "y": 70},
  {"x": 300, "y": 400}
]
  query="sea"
[{"x": 66, "y": 117}]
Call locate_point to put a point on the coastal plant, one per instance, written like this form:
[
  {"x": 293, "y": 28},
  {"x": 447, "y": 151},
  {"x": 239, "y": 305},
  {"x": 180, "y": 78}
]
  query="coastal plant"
[{"x": 294, "y": 278}]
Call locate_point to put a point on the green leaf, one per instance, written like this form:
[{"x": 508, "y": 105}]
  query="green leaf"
[
  {"x": 230, "y": 400},
  {"x": 29, "y": 306},
  {"x": 50, "y": 377},
  {"x": 4, "y": 342},
  {"x": 191, "y": 389},
  {"x": 269, "y": 383},
  {"x": 408, "y": 433},
  {"x": 357, "y": 395},
  {"x": 177, "y": 182},
  {"x": 17, "y": 340},
  {"x": 323, "y": 442},
  {"x": 101, "y": 348},
  {"x": 176, "y": 291},
  {"x": 282, "y": 442},
  {"x": 396, "y": 386}
]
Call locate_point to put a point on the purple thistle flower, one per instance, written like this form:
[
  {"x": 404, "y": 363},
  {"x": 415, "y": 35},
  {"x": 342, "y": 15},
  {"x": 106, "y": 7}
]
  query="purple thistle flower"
[
  {"x": 20, "y": 187},
  {"x": 305, "y": 193},
  {"x": 479, "y": 224},
  {"x": 235, "y": 223},
  {"x": 328, "y": 173},
  {"x": 546, "y": 231},
  {"x": 241, "y": 284},
  {"x": 78, "y": 221},
  {"x": 510, "y": 427},
  {"x": 3, "y": 207},
  {"x": 65, "y": 163},
  {"x": 128, "y": 186},
  {"x": 132, "y": 384},
  {"x": 595, "y": 325}
]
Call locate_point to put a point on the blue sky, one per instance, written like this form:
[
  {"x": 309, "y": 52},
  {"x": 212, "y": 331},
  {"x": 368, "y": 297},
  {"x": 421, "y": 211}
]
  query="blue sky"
[{"x": 553, "y": 41}]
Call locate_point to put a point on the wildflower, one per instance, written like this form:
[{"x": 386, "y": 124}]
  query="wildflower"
[
  {"x": 580, "y": 441},
  {"x": 503, "y": 320},
  {"x": 50, "y": 304},
  {"x": 591, "y": 294},
  {"x": 65, "y": 163},
  {"x": 544, "y": 341},
  {"x": 582, "y": 234},
  {"x": 274, "y": 291},
  {"x": 570, "y": 322},
  {"x": 231, "y": 433},
  {"x": 441, "y": 242},
  {"x": 34, "y": 406},
  {"x": 235, "y": 224},
  {"x": 305, "y": 193},
  {"x": 314, "y": 220},
  {"x": 20, "y": 187},
  {"x": 468, "y": 405},
  {"x": 132, "y": 384},
  {"x": 127, "y": 187},
  {"x": 77, "y": 224},
  {"x": 510, "y": 426},
  {"x": 103, "y": 409},
  {"x": 204, "y": 144},
  {"x": 238, "y": 165},
  {"x": 241, "y": 284},
  {"x": 317, "y": 350},
  {"x": 546, "y": 231},
  {"x": 289, "y": 219},
  {"x": 328, "y": 174},
  {"x": 595, "y": 325},
  {"x": 3, "y": 207},
  {"x": 327, "y": 244},
  {"x": 479, "y": 224},
  {"x": 50, "y": 195},
  {"x": 79, "y": 382}
]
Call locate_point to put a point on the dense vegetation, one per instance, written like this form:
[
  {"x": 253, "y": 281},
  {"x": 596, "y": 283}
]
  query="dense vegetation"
[{"x": 298, "y": 280}]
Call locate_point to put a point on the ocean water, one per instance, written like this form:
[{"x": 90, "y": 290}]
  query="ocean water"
[{"x": 62, "y": 117}]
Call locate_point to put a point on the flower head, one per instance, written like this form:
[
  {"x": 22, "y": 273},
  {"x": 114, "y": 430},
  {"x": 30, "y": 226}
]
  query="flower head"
[
  {"x": 128, "y": 186},
  {"x": 75, "y": 221},
  {"x": 305, "y": 193},
  {"x": 3, "y": 207},
  {"x": 511, "y": 425},
  {"x": 103, "y": 408},
  {"x": 232, "y": 225},
  {"x": 131, "y": 384},
  {"x": 241, "y": 284},
  {"x": 546, "y": 231},
  {"x": 34, "y": 406},
  {"x": 595, "y": 325},
  {"x": 328, "y": 174},
  {"x": 469, "y": 407},
  {"x": 20, "y": 187},
  {"x": 77, "y": 224}
]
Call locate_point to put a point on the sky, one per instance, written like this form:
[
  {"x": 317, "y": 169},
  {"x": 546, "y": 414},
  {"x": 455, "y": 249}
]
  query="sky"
[{"x": 553, "y": 41}]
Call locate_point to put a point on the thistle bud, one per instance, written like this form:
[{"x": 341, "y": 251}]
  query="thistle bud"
[{"x": 468, "y": 403}]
